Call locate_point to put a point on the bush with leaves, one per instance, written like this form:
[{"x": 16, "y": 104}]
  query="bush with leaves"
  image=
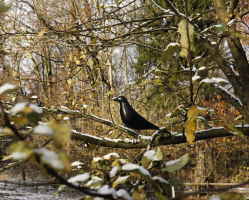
[{"x": 111, "y": 176}]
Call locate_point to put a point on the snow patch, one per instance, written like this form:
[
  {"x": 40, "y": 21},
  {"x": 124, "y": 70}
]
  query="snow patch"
[{"x": 43, "y": 130}]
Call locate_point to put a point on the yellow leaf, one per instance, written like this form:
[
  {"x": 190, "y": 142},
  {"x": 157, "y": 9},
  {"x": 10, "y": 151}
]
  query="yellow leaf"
[
  {"x": 94, "y": 40},
  {"x": 234, "y": 131},
  {"x": 194, "y": 111},
  {"x": 91, "y": 147},
  {"x": 239, "y": 117},
  {"x": 14, "y": 74},
  {"x": 21, "y": 150},
  {"x": 138, "y": 195},
  {"x": 157, "y": 81},
  {"x": 190, "y": 127},
  {"x": 20, "y": 120},
  {"x": 61, "y": 134},
  {"x": 184, "y": 41},
  {"x": 76, "y": 60},
  {"x": 6, "y": 158},
  {"x": 41, "y": 33}
]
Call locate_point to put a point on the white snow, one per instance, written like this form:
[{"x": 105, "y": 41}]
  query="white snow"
[
  {"x": 113, "y": 171},
  {"x": 231, "y": 22},
  {"x": 208, "y": 80},
  {"x": 107, "y": 190},
  {"x": 132, "y": 167},
  {"x": 18, "y": 107},
  {"x": 145, "y": 137},
  {"x": 124, "y": 194},
  {"x": 34, "y": 97},
  {"x": 108, "y": 156},
  {"x": 79, "y": 178},
  {"x": 50, "y": 158},
  {"x": 64, "y": 107},
  {"x": 160, "y": 179},
  {"x": 96, "y": 159},
  {"x": 43, "y": 129},
  {"x": 76, "y": 163},
  {"x": 18, "y": 155},
  {"x": 122, "y": 178},
  {"x": 231, "y": 95},
  {"x": 202, "y": 68},
  {"x": 195, "y": 77},
  {"x": 150, "y": 154},
  {"x": 8, "y": 88},
  {"x": 220, "y": 80},
  {"x": 35, "y": 108}
]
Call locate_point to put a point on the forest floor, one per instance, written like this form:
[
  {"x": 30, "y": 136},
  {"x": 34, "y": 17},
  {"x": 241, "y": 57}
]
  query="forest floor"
[{"x": 31, "y": 193}]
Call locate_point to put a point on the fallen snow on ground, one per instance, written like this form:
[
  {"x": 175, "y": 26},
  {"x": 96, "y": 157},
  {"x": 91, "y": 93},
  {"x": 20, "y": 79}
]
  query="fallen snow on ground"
[{"x": 43, "y": 193}]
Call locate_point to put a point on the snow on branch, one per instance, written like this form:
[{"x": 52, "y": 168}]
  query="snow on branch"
[
  {"x": 79, "y": 114},
  {"x": 233, "y": 100}
]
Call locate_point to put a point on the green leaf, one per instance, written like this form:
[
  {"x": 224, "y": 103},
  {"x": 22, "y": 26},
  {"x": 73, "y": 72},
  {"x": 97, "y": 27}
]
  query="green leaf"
[
  {"x": 4, "y": 8},
  {"x": 21, "y": 150},
  {"x": 220, "y": 27},
  {"x": 173, "y": 182},
  {"x": 175, "y": 165},
  {"x": 130, "y": 167},
  {"x": 138, "y": 195},
  {"x": 157, "y": 81},
  {"x": 150, "y": 156},
  {"x": 61, "y": 134},
  {"x": 179, "y": 110},
  {"x": 140, "y": 80},
  {"x": 231, "y": 196},
  {"x": 168, "y": 53},
  {"x": 120, "y": 180},
  {"x": 238, "y": 35},
  {"x": 60, "y": 188}
]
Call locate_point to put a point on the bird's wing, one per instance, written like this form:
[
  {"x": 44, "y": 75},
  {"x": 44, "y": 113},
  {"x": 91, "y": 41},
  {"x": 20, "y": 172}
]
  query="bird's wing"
[{"x": 134, "y": 120}]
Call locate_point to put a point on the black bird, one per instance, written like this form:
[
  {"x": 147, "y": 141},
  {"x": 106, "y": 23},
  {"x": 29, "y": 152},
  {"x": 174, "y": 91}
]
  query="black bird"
[{"x": 131, "y": 118}]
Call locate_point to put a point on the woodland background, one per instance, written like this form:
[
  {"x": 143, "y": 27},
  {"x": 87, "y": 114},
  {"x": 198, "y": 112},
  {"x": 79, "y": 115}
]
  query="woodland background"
[{"x": 75, "y": 55}]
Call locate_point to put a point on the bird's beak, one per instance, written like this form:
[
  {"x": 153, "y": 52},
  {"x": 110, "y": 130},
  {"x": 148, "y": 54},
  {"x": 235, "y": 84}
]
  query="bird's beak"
[{"x": 115, "y": 99}]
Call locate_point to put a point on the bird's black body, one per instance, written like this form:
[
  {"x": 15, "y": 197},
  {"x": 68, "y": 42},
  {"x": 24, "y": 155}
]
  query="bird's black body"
[{"x": 131, "y": 118}]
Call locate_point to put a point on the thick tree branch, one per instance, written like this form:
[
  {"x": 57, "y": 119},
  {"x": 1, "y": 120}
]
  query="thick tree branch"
[
  {"x": 232, "y": 77},
  {"x": 230, "y": 98},
  {"x": 79, "y": 114},
  {"x": 146, "y": 140}
]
